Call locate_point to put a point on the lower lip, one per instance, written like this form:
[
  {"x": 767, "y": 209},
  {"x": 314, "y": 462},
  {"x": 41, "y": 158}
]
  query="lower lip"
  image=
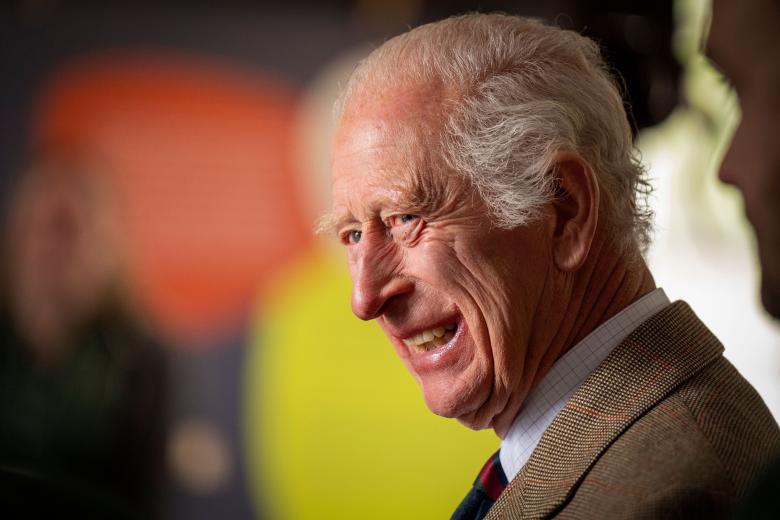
[{"x": 439, "y": 357}]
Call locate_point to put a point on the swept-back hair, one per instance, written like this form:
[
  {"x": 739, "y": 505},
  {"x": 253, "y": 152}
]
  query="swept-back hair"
[{"x": 524, "y": 91}]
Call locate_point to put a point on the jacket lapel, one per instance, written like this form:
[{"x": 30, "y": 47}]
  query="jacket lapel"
[{"x": 662, "y": 353}]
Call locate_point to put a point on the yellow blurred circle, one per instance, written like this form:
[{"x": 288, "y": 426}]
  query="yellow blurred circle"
[{"x": 336, "y": 427}]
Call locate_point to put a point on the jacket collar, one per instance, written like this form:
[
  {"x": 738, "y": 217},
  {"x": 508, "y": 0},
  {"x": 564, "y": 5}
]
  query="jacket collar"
[{"x": 658, "y": 356}]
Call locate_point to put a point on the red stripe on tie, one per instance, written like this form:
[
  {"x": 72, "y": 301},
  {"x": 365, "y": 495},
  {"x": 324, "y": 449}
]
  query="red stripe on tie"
[{"x": 492, "y": 478}]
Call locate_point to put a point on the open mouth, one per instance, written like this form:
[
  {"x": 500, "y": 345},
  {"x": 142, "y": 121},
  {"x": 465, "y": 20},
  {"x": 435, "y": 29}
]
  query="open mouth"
[{"x": 431, "y": 338}]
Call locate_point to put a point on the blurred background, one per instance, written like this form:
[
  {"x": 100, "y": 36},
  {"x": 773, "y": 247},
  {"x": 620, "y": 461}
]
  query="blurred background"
[{"x": 175, "y": 341}]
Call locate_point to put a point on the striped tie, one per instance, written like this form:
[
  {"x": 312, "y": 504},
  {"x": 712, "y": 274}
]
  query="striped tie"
[{"x": 489, "y": 484}]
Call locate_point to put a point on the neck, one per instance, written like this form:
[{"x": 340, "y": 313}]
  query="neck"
[
  {"x": 606, "y": 284},
  {"x": 606, "y": 288}
]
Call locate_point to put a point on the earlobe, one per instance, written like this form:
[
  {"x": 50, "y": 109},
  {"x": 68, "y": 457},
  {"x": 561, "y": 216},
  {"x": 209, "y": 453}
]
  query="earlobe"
[{"x": 575, "y": 211}]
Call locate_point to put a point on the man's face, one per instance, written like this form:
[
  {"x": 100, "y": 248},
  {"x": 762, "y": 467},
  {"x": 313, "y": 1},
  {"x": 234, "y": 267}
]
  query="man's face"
[
  {"x": 457, "y": 297},
  {"x": 744, "y": 43}
]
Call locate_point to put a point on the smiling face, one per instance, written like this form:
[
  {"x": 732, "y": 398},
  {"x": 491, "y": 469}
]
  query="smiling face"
[
  {"x": 744, "y": 43},
  {"x": 457, "y": 297}
]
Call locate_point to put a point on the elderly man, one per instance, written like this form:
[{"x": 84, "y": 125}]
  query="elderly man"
[
  {"x": 485, "y": 188},
  {"x": 744, "y": 42}
]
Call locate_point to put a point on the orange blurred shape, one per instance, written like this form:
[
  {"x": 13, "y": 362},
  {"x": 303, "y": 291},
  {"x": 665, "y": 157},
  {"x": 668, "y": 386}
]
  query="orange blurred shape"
[{"x": 200, "y": 157}]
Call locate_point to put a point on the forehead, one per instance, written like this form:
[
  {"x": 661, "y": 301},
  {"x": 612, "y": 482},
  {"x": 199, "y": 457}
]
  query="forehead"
[
  {"x": 397, "y": 98},
  {"x": 386, "y": 150},
  {"x": 379, "y": 168}
]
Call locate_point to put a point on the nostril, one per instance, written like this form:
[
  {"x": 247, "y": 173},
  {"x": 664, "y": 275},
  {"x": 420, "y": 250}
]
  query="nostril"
[
  {"x": 363, "y": 306},
  {"x": 725, "y": 176},
  {"x": 370, "y": 301}
]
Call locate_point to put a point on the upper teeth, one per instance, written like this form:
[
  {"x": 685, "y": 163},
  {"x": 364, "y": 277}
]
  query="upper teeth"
[
  {"x": 428, "y": 335},
  {"x": 425, "y": 336}
]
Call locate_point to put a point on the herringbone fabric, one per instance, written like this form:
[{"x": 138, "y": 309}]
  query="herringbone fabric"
[
  {"x": 551, "y": 394},
  {"x": 665, "y": 427}
]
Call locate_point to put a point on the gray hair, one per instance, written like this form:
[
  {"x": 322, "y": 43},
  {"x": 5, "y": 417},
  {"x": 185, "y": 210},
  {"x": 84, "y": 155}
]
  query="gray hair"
[{"x": 526, "y": 90}]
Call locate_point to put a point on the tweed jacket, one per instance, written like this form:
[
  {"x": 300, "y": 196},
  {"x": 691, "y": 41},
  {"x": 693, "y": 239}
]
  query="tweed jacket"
[{"x": 665, "y": 427}]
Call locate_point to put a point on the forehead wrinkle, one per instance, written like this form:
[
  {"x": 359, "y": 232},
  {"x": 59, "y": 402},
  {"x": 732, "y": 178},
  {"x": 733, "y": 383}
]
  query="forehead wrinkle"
[
  {"x": 423, "y": 185},
  {"x": 409, "y": 118},
  {"x": 337, "y": 217},
  {"x": 433, "y": 189},
  {"x": 424, "y": 190}
]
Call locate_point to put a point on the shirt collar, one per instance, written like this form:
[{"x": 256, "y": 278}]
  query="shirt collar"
[{"x": 566, "y": 375}]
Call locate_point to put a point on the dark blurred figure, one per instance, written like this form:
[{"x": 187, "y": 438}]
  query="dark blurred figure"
[
  {"x": 744, "y": 42},
  {"x": 82, "y": 387}
]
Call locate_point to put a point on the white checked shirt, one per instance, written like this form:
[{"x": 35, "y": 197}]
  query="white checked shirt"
[{"x": 566, "y": 375}]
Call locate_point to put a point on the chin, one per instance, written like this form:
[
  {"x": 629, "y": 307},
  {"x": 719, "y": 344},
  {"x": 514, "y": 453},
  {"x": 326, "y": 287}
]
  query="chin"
[
  {"x": 472, "y": 422},
  {"x": 770, "y": 297},
  {"x": 448, "y": 399}
]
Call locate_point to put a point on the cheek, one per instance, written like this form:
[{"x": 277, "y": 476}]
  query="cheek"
[
  {"x": 431, "y": 261},
  {"x": 375, "y": 252}
]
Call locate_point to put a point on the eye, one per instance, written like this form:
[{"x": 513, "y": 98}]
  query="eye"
[
  {"x": 401, "y": 220},
  {"x": 350, "y": 237},
  {"x": 405, "y": 228}
]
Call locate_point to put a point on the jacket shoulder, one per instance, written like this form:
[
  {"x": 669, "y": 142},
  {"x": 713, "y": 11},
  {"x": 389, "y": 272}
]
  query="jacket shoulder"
[
  {"x": 696, "y": 452},
  {"x": 734, "y": 419}
]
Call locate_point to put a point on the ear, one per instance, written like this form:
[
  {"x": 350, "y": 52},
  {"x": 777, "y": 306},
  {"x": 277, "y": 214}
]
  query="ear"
[{"x": 575, "y": 210}]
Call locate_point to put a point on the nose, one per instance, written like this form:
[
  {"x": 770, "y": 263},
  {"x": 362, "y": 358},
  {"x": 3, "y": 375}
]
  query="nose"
[
  {"x": 726, "y": 173},
  {"x": 375, "y": 280}
]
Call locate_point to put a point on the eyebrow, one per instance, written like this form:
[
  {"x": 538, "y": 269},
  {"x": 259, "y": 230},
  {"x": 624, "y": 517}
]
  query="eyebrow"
[
  {"x": 419, "y": 193},
  {"x": 433, "y": 194},
  {"x": 329, "y": 223},
  {"x": 333, "y": 220}
]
